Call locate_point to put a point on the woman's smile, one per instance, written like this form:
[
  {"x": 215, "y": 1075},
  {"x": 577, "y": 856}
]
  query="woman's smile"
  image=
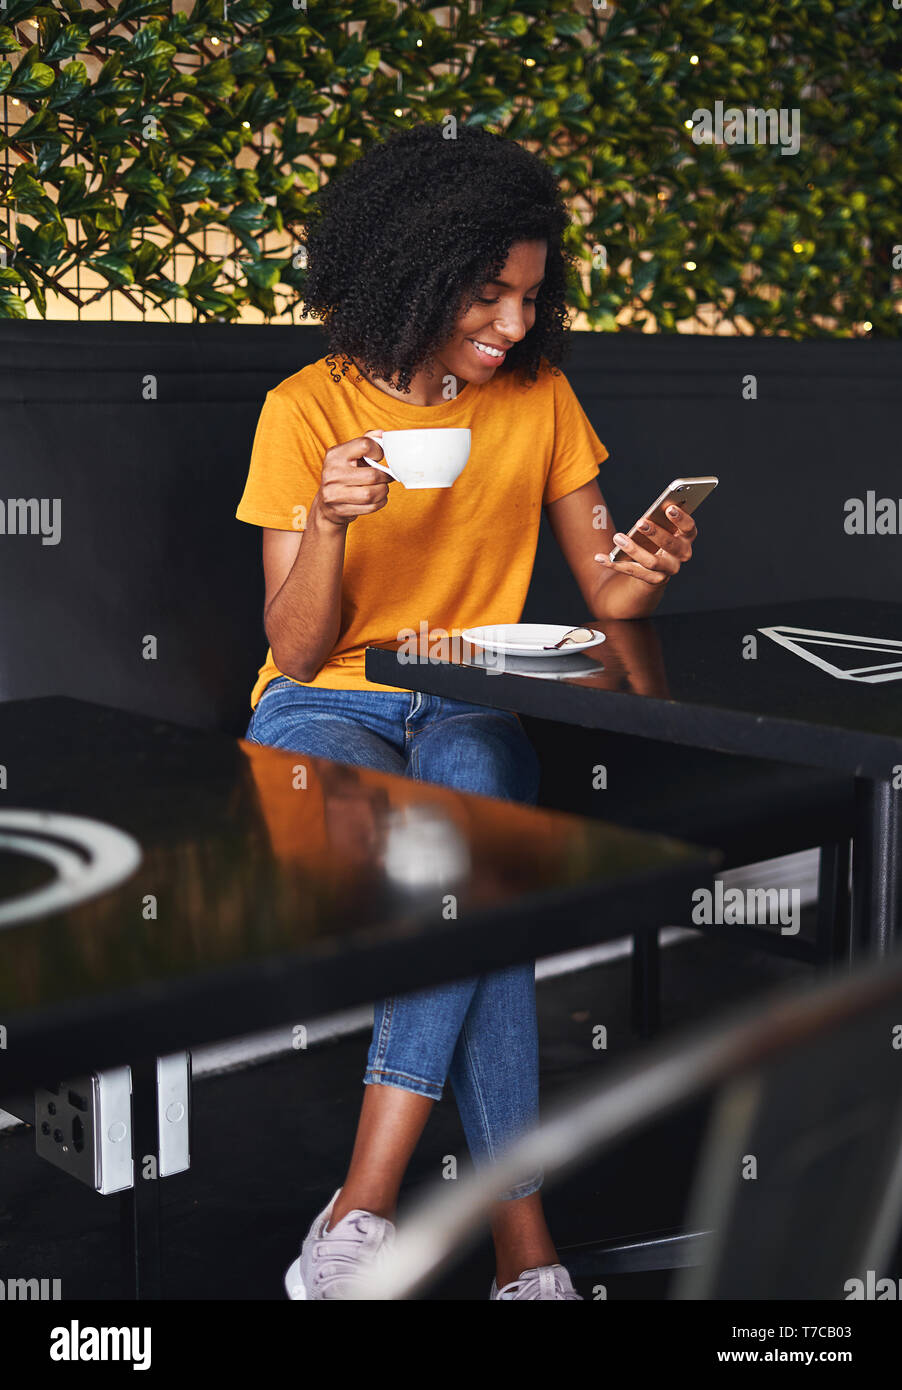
[{"x": 491, "y": 354}]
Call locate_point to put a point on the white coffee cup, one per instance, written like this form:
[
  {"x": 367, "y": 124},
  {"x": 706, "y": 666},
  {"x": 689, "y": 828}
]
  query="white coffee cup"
[{"x": 422, "y": 458}]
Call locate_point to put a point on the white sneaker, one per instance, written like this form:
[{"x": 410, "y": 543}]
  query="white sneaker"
[
  {"x": 332, "y": 1261},
  {"x": 548, "y": 1282}
]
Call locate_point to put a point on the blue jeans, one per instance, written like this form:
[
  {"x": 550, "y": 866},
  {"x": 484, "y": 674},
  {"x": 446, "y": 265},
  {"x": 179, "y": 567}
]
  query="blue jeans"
[{"x": 479, "y": 1033}]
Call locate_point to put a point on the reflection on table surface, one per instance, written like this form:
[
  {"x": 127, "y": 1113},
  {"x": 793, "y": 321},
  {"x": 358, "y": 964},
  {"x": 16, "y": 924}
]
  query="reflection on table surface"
[
  {"x": 630, "y": 659},
  {"x": 250, "y": 851},
  {"x": 830, "y": 667}
]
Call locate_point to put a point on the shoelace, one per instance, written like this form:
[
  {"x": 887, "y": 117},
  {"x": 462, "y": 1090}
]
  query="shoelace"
[
  {"x": 351, "y": 1253},
  {"x": 544, "y": 1283}
]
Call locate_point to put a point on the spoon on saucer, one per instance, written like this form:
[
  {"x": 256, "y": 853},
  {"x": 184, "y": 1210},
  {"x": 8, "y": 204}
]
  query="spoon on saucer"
[{"x": 576, "y": 634}]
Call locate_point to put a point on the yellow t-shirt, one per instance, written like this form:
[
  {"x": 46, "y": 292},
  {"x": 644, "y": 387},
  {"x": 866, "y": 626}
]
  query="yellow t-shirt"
[{"x": 448, "y": 557}]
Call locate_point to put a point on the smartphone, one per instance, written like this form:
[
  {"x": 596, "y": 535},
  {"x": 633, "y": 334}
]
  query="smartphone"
[{"x": 686, "y": 493}]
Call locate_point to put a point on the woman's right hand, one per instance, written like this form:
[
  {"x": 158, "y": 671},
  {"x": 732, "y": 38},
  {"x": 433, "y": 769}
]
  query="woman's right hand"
[{"x": 350, "y": 488}]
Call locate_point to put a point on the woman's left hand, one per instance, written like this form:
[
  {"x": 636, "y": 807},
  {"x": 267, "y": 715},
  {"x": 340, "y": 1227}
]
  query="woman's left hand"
[{"x": 658, "y": 566}]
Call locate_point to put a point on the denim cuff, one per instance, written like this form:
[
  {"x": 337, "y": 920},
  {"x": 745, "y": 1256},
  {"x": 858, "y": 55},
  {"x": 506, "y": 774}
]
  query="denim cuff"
[
  {"x": 375, "y": 1076},
  {"x": 523, "y": 1189}
]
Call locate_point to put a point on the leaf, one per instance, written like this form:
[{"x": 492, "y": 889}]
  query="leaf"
[
  {"x": 69, "y": 84},
  {"x": 512, "y": 26},
  {"x": 569, "y": 24},
  {"x": 115, "y": 135},
  {"x": 147, "y": 45},
  {"x": 72, "y": 188},
  {"x": 73, "y": 39},
  {"x": 264, "y": 274},
  {"x": 34, "y": 79},
  {"x": 142, "y": 43},
  {"x": 203, "y": 273},
  {"x": 110, "y": 70},
  {"x": 168, "y": 289},
  {"x": 222, "y": 183},
  {"x": 182, "y": 124},
  {"x": 8, "y": 41},
  {"x": 248, "y": 217},
  {"x": 108, "y": 219},
  {"x": 134, "y": 9},
  {"x": 214, "y": 303},
  {"x": 216, "y": 79},
  {"x": 16, "y": 10},
  {"x": 11, "y": 306},
  {"x": 246, "y": 13},
  {"x": 248, "y": 57},
  {"x": 33, "y": 124},
  {"x": 192, "y": 188},
  {"x": 37, "y": 290},
  {"x": 146, "y": 257},
  {"x": 139, "y": 179},
  {"x": 645, "y": 274},
  {"x": 115, "y": 269},
  {"x": 25, "y": 186},
  {"x": 45, "y": 245}
]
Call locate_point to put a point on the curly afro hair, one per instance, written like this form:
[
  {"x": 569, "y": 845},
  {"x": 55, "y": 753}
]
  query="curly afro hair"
[{"x": 400, "y": 244}]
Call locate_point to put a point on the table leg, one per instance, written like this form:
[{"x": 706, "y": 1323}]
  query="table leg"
[
  {"x": 876, "y": 867},
  {"x": 139, "y": 1205},
  {"x": 646, "y": 982},
  {"x": 834, "y": 904}
]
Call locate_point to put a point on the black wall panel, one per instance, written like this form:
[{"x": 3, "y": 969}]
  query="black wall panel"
[
  {"x": 825, "y": 427},
  {"x": 149, "y": 488}
]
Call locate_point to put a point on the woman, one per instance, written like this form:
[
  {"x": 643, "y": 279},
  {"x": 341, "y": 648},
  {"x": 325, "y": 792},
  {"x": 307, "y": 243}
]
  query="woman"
[{"x": 438, "y": 268}]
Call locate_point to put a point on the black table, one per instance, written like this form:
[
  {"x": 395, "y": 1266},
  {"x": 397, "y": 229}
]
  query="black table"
[
  {"x": 277, "y": 902},
  {"x": 735, "y": 681},
  {"x": 242, "y": 887}
]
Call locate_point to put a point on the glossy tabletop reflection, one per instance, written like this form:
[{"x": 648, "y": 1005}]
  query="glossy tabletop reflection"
[
  {"x": 818, "y": 682},
  {"x": 268, "y": 886}
]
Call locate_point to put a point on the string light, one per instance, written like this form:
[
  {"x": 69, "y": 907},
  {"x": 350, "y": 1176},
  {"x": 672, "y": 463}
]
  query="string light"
[
  {"x": 690, "y": 265},
  {"x": 798, "y": 246},
  {"x": 694, "y": 59},
  {"x": 688, "y": 125},
  {"x": 529, "y": 62}
]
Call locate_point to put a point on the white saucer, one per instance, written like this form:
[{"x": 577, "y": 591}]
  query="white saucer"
[{"x": 528, "y": 639}]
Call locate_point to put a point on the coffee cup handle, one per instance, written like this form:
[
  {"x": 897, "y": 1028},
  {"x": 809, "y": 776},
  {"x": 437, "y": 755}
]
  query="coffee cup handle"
[{"x": 381, "y": 466}]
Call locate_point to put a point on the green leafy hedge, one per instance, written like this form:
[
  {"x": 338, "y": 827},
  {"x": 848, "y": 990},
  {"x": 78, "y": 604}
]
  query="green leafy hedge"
[{"x": 142, "y": 128}]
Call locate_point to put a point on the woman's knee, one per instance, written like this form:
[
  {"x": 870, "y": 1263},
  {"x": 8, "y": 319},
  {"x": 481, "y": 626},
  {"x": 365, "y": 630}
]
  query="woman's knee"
[
  {"x": 484, "y": 753},
  {"x": 325, "y": 736}
]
